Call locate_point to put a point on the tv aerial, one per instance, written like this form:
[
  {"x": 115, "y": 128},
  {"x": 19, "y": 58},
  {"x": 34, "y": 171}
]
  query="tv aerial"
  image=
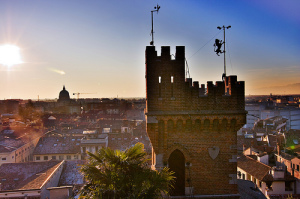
[{"x": 156, "y": 9}]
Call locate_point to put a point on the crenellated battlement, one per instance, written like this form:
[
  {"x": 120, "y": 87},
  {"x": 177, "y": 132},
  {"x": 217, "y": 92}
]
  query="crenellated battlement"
[{"x": 169, "y": 90}]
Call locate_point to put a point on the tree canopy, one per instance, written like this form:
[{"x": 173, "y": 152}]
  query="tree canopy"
[{"x": 123, "y": 174}]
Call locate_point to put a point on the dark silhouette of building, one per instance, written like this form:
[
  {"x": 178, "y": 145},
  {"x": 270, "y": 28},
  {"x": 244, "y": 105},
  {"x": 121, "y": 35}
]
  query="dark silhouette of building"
[
  {"x": 193, "y": 130},
  {"x": 64, "y": 95}
]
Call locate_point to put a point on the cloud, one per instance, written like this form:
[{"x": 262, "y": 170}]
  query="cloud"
[{"x": 61, "y": 72}]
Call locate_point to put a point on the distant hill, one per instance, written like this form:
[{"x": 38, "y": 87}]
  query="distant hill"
[{"x": 276, "y": 90}]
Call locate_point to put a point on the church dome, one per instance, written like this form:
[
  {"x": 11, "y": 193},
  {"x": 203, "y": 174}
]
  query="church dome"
[{"x": 64, "y": 95}]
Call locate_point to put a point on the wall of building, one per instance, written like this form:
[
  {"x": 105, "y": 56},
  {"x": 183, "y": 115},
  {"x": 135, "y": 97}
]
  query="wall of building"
[
  {"x": 38, "y": 158},
  {"x": 52, "y": 181},
  {"x": 21, "y": 194},
  {"x": 278, "y": 187},
  {"x": 22, "y": 154}
]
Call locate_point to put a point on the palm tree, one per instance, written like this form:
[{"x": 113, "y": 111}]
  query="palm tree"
[{"x": 123, "y": 174}]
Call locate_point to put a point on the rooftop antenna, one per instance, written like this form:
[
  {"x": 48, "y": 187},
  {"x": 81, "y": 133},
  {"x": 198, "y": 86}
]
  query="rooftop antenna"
[
  {"x": 156, "y": 9},
  {"x": 218, "y": 44}
]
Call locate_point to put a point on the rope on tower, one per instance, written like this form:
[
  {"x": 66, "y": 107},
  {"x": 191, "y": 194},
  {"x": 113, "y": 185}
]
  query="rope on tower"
[
  {"x": 187, "y": 71},
  {"x": 205, "y": 44}
]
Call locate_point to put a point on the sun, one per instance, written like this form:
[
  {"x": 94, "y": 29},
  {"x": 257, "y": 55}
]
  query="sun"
[{"x": 10, "y": 55}]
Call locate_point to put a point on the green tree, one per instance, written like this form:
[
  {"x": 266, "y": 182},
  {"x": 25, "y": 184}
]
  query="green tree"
[{"x": 123, "y": 174}]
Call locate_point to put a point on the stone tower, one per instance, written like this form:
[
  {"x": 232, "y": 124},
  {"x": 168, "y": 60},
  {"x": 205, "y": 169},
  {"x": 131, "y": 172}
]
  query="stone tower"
[{"x": 193, "y": 130}]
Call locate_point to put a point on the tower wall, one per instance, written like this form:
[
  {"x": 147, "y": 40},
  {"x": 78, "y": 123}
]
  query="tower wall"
[{"x": 200, "y": 122}]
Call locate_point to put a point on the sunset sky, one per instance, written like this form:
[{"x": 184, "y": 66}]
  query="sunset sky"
[{"x": 98, "y": 47}]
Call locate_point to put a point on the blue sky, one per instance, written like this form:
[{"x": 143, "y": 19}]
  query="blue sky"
[{"x": 100, "y": 45}]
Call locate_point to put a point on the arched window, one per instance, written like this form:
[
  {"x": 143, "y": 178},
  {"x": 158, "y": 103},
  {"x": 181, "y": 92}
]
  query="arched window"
[
  {"x": 179, "y": 126},
  {"x": 170, "y": 126},
  {"x": 161, "y": 130},
  {"x": 197, "y": 125},
  {"x": 216, "y": 125},
  {"x": 224, "y": 124},
  {"x": 188, "y": 125},
  {"x": 206, "y": 124},
  {"x": 233, "y": 125}
]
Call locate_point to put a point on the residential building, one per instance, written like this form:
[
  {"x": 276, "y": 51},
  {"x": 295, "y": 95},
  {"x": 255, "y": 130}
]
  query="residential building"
[
  {"x": 17, "y": 144},
  {"x": 57, "y": 148},
  {"x": 92, "y": 142},
  {"x": 271, "y": 181},
  {"x": 29, "y": 180}
]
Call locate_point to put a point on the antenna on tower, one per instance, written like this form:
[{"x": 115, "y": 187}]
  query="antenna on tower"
[
  {"x": 218, "y": 44},
  {"x": 156, "y": 9}
]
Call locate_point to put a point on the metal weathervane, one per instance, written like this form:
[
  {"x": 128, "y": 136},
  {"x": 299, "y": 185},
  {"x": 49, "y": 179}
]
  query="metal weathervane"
[
  {"x": 218, "y": 45},
  {"x": 156, "y": 8}
]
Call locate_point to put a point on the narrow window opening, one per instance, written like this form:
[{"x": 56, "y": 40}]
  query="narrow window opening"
[
  {"x": 159, "y": 87},
  {"x": 172, "y": 86}
]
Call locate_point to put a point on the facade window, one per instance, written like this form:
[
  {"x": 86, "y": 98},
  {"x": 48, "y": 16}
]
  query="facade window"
[
  {"x": 179, "y": 125},
  {"x": 224, "y": 124},
  {"x": 61, "y": 157},
  {"x": 161, "y": 129},
  {"x": 189, "y": 125},
  {"x": 297, "y": 167},
  {"x": 37, "y": 158},
  {"x": 3, "y": 159},
  {"x": 68, "y": 157},
  {"x": 75, "y": 157},
  {"x": 45, "y": 157},
  {"x": 170, "y": 125},
  {"x": 53, "y": 157},
  {"x": 197, "y": 125},
  {"x": 215, "y": 125},
  {"x": 288, "y": 186},
  {"x": 233, "y": 125},
  {"x": 206, "y": 124}
]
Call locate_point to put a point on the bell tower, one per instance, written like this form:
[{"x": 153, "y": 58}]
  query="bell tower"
[{"x": 193, "y": 128}]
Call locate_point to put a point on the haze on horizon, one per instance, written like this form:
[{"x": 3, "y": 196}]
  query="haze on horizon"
[{"x": 98, "y": 47}]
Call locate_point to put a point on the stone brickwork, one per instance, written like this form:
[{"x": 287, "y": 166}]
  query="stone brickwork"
[{"x": 199, "y": 122}]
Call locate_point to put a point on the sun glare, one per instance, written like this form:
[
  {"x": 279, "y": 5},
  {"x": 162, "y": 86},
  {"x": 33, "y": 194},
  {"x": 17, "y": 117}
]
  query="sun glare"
[{"x": 10, "y": 55}]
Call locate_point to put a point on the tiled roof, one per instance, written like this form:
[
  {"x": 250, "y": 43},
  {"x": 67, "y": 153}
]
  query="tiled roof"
[
  {"x": 12, "y": 139},
  {"x": 71, "y": 174},
  {"x": 257, "y": 169},
  {"x": 57, "y": 145},
  {"x": 29, "y": 175},
  {"x": 286, "y": 156},
  {"x": 241, "y": 140}
]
